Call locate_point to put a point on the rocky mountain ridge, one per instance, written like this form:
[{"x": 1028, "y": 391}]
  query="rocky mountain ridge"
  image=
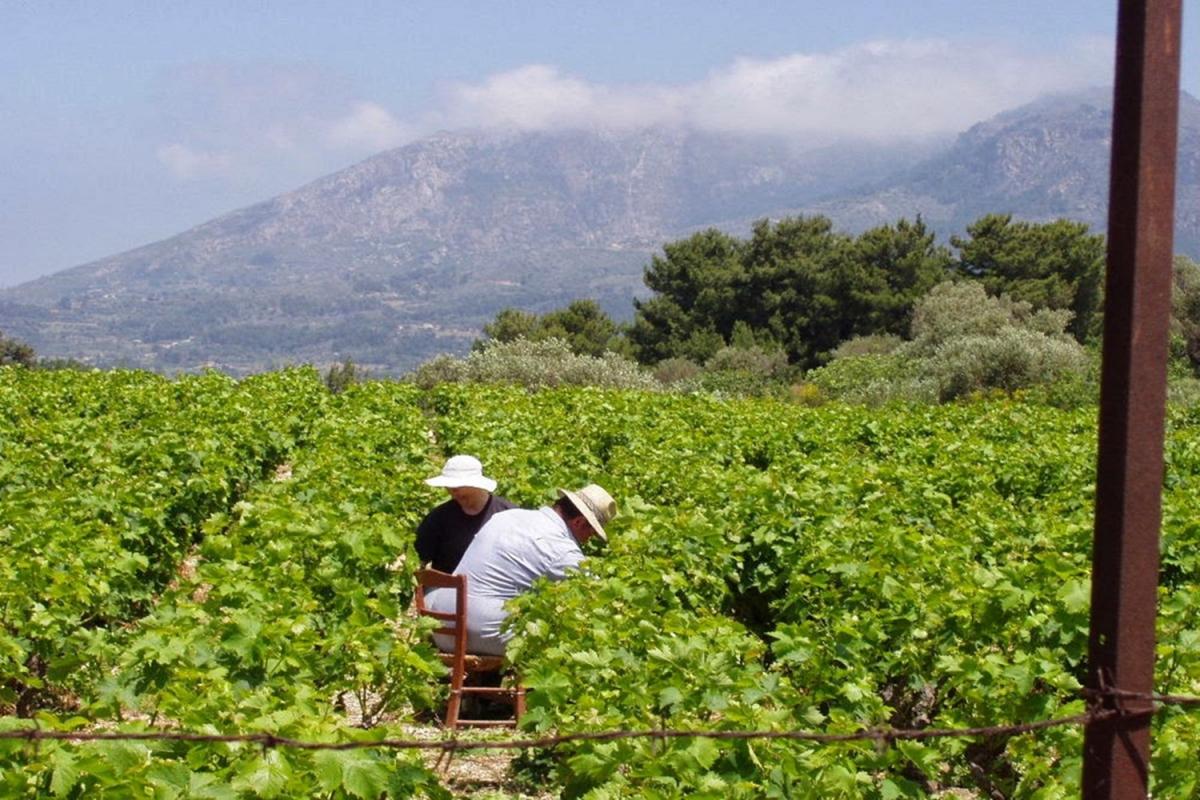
[{"x": 407, "y": 253}]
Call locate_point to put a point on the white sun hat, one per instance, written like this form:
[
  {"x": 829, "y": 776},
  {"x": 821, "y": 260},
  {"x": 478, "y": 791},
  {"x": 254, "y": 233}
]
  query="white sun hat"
[
  {"x": 596, "y": 505},
  {"x": 462, "y": 471}
]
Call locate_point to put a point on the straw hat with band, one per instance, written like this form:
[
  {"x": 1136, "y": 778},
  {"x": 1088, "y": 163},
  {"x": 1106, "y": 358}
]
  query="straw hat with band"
[{"x": 596, "y": 505}]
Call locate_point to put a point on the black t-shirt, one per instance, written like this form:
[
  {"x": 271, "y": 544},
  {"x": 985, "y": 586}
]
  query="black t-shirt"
[{"x": 446, "y": 532}]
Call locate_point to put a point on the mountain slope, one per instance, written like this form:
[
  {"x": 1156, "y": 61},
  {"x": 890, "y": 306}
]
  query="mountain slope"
[
  {"x": 1045, "y": 161},
  {"x": 407, "y": 253}
]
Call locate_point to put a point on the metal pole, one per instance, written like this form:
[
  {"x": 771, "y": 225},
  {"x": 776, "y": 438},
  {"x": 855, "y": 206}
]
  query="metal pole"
[{"x": 1133, "y": 397}]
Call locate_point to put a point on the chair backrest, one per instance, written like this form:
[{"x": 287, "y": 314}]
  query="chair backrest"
[{"x": 453, "y": 623}]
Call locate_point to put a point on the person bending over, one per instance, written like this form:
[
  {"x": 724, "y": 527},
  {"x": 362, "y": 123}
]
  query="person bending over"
[{"x": 513, "y": 550}]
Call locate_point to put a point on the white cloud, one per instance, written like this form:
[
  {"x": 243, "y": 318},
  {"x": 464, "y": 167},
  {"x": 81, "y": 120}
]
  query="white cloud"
[
  {"x": 884, "y": 88},
  {"x": 539, "y": 96},
  {"x": 241, "y": 125},
  {"x": 369, "y": 127}
]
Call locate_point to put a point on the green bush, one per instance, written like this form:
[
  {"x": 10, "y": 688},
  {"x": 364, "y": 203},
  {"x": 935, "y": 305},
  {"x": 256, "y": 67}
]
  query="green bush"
[
  {"x": 952, "y": 310},
  {"x": 964, "y": 342},
  {"x": 866, "y": 379},
  {"x": 754, "y": 360},
  {"x": 1009, "y": 360},
  {"x": 15, "y": 353},
  {"x": 676, "y": 370},
  {"x": 1184, "y": 392},
  {"x": 535, "y": 365},
  {"x": 873, "y": 345}
]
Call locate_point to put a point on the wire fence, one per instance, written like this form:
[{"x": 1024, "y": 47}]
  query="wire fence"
[{"x": 881, "y": 736}]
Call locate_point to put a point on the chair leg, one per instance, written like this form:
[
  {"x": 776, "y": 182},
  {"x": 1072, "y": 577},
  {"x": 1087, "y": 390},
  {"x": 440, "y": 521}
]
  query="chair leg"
[
  {"x": 517, "y": 695},
  {"x": 453, "y": 707},
  {"x": 518, "y": 702}
]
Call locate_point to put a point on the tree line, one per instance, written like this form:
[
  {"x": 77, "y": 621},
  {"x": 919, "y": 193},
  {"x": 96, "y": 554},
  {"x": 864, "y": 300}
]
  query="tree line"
[
  {"x": 1007, "y": 304},
  {"x": 801, "y": 287}
]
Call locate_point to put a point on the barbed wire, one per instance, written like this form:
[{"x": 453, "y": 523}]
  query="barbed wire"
[{"x": 880, "y": 736}]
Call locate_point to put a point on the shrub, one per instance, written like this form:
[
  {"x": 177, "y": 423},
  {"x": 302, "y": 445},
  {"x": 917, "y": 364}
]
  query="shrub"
[
  {"x": 342, "y": 376},
  {"x": 741, "y": 383},
  {"x": 1010, "y": 360},
  {"x": 874, "y": 345},
  {"x": 845, "y": 376},
  {"x": 1071, "y": 389},
  {"x": 535, "y": 365},
  {"x": 444, "y": 368},
  {"x": 753, "y": 360},
  {"x": 16, "y": 353},
  {"x": 1183, "y": 392},
  {"x": 953, "y": 310},
  {"x": 676, "y": 370},
  {"x": 805, "y": 394},
  {"x": 964, "y": 343}
]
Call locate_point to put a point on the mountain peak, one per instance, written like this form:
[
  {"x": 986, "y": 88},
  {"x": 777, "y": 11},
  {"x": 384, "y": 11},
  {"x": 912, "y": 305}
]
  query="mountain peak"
[{"x": 407, "y": 253}]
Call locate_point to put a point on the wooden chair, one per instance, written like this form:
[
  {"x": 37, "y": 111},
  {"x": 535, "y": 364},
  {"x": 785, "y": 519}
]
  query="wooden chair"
[{"x": 466, "y": 667}]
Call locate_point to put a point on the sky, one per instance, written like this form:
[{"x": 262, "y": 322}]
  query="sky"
[{"x": 123, "y": 122}]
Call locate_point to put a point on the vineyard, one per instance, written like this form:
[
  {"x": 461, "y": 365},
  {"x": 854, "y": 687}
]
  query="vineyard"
[{"x": 208, "y": 556}]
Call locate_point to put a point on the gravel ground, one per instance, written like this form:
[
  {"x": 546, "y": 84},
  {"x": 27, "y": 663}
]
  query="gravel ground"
[
  {"x": 476, "y": 773},
  {"x": 467, "y": 773}
]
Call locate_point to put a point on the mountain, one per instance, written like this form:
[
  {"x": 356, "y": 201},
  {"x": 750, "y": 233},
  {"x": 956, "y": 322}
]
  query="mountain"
[
  {"x": 1045, "y": 161},
  {"x": 408, "y": 253}
]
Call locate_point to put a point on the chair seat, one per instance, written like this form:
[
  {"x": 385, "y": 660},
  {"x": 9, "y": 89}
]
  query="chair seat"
[{"x": 475, "y": 663}]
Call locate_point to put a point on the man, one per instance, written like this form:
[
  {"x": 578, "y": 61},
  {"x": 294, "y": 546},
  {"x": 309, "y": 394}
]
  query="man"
[
  {"x": 445, "y": 533},
  {"x": 513, "y": 550}
]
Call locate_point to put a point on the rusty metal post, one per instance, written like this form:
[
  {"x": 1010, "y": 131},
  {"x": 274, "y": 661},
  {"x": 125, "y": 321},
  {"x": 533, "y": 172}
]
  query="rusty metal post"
[{"x": 1133, "y": 397}]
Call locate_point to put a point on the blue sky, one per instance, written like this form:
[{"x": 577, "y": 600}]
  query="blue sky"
[{"x": 126, "y": 121}]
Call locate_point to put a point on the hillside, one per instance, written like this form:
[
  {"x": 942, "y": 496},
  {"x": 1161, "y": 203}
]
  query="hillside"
[
  {"x": 406, "y": 254},
  {"x": 1042, "y": 162}
]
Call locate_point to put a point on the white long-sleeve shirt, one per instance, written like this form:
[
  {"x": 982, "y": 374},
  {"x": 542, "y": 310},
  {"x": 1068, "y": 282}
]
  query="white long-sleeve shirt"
[{"x": 512, "y": 550}]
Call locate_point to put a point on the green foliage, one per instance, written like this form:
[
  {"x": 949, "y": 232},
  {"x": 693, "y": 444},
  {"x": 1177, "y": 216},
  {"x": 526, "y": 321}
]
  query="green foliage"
[
  {"x": 1056, "y": 265},
  {"x": 341, "y": 376},
  {"x": 747, "y": 371},
  {"x": 534, "y": 365},
  {"x": 697, "y": 291},
  {"x": 892, "y": 267},
  {"x": 781, "y": 578},
  {"x": 509, "y": 325},
  {"x": 217, "y": 556},
  {"x": 125, "y": 468},
  {"x": 15, "y": 353},
  {"x": 799, "y": 285},
  {"x": 968, "y": 342},
  {"x": 676, "y": 370},
  {"x": 1185, "y": 317},
  {"x": 206, "y": 554},
  {"x": 873, "y": 379},
  {"x": 62, "y": 363},
  {"x": 965, "y": 343},
  {"x": 753, "y": 360},
  {"x": 1011, "y": 360},
  {"x": 795, "y": 284},
  {"x": 583, "y": 325}
]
